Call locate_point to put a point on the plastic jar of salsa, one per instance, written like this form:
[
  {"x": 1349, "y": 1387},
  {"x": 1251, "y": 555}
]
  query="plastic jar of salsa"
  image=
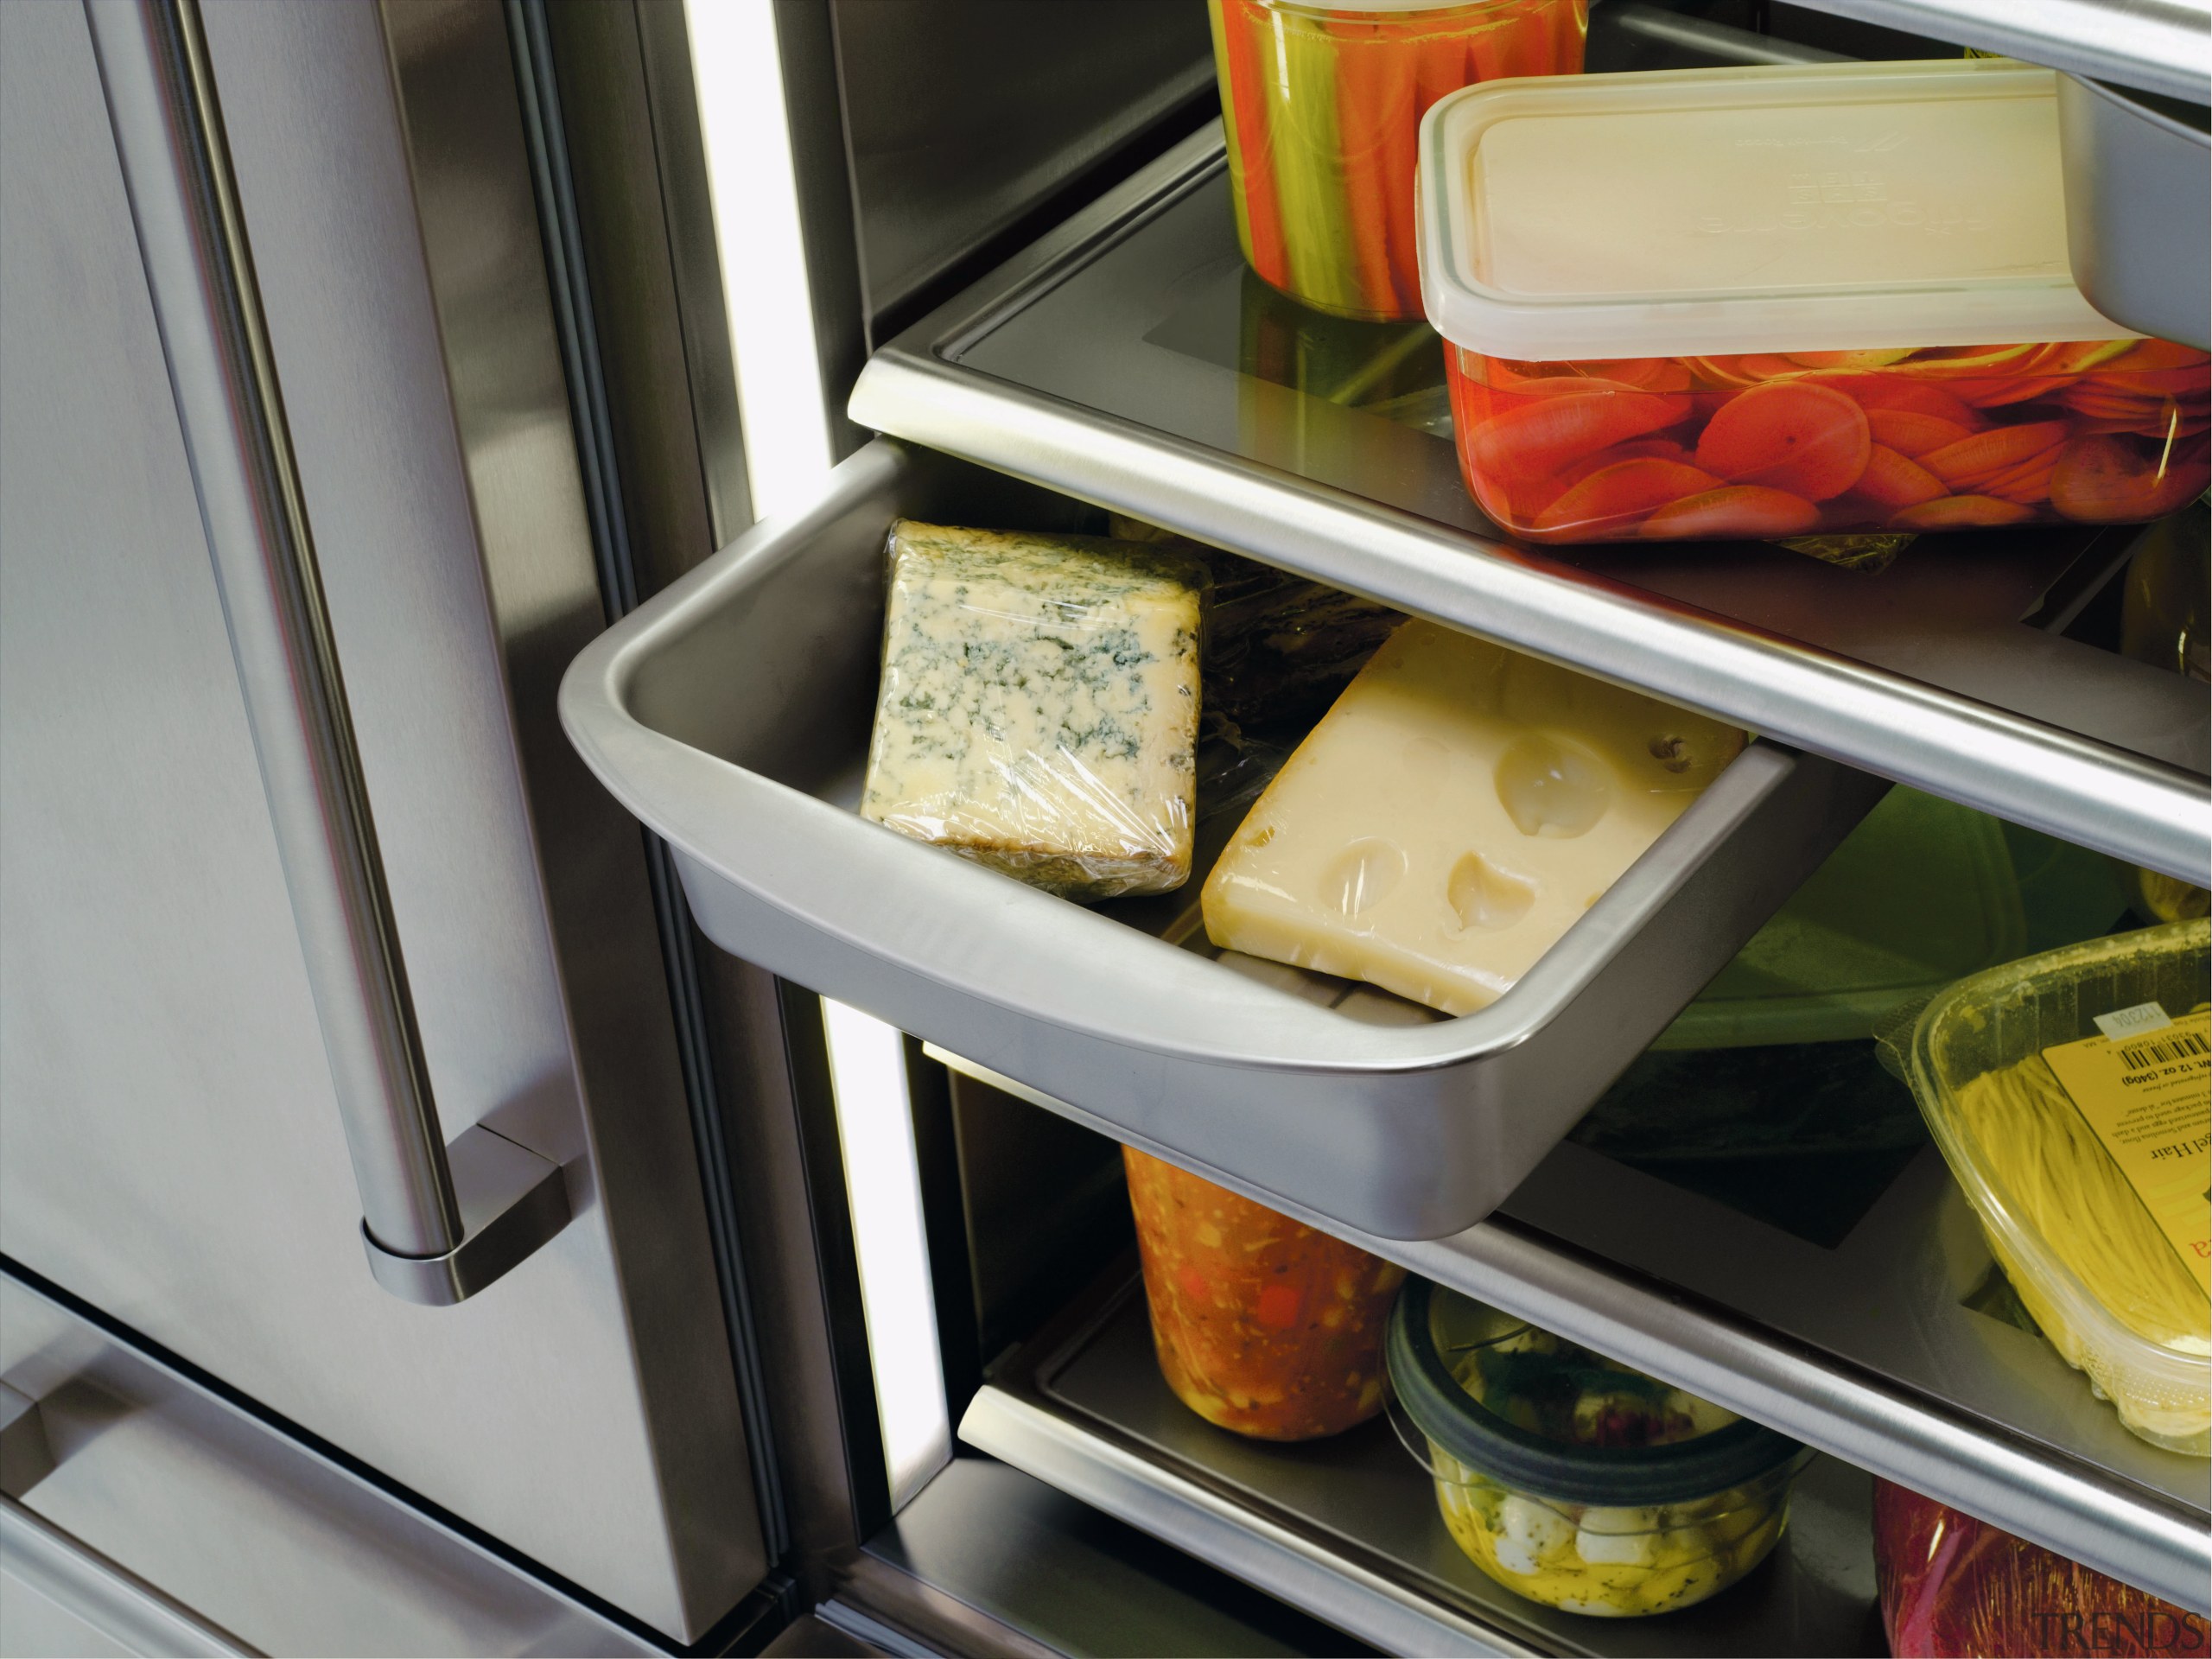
[
  {"x": 1802, "y": 300},
  {"x": 1322, "y": 106},
  {"x": 1262, "y": 1324},
  {"x": 1573, "y": 1480}
]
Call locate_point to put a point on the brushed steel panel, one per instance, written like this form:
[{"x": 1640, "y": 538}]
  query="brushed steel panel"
[
  {"x": 255, "y": 1534},
  {"x": 168, "y": 1145},
  {"x": 1014, "y": 103},
  {"x": 2164, "y": 45}
]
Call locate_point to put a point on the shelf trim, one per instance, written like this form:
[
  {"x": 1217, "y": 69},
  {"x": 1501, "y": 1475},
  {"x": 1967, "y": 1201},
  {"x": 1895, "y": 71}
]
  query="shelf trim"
[
  {"x": 2043, "y": 1494},
  {"x": 1220, "y": 1533},
  {"x": 2163, "y": 45},
  {"x": 2128, "y": 806}
]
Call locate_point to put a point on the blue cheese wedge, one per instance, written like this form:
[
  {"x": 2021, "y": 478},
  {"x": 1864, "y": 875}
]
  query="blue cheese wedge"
[{"x": 1040, "y": 705}]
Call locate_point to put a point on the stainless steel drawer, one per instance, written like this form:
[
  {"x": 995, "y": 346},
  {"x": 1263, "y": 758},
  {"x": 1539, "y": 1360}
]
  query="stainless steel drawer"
[{"x": 732, "y": 716}]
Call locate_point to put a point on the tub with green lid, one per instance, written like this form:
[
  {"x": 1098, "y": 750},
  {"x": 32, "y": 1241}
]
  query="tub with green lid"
[{"x": 1571, "y": 1479}]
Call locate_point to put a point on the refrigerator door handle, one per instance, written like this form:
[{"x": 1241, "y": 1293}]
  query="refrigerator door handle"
[{"x": 439, "y": 1222}]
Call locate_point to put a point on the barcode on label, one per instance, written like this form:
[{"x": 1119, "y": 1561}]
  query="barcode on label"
[{"x": 2136, "y": 1056}]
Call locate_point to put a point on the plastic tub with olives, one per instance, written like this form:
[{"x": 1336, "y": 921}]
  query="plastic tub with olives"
[{"x": 1573, "y": 1480}]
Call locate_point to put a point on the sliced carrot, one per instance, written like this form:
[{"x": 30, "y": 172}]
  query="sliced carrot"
[
  {"x": 2029, "y": 483},
  {"x": 1962, "y": 513},
  {"x": 1397, "y": 63},
  {"x": 2077, "y": 356},
  {"x": 1950, "y": 361},
  {"x": 1645, "y": 373},
  {"x": 1902, "y": 393},
  {"x": 2156, "y": 372},
  {"x": 1910, "y": 433},
  {"x": 1759, "y": 366},
  {"x": 1441, "y": 67},
  {"x": 1809, "y": 439},
  {"x": 1615, "y": 497},
  {"x": 1566, "y": 385},
  {"x": 1862, "y": 359},
  {"x": 2000, "y": 391},
  {"x": 1892, "y": 481},
  {"x": 1740, "y": 510},
  {"x": 1364, "y": 119},
  {"x": 1237, "y": 25},
  {"x": 1570, "y": 29},
  {"x": 1490, "y": 52},
  {"x": 1613, "y": 455},
  {"x": 1968, "y": 463},
  {"x": 1720, "y": 371},
  {"x": 2107, "y": 481},
  {"x": 2155, "y": 354},
  {"x": 1534, "y": 52},
  {"x": 1537, "y": 438}
]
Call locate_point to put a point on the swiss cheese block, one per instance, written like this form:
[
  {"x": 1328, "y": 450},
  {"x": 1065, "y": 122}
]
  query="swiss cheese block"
[
  {"x": 1452, "y": 816},
  {"x": 1040, "y": 705}
]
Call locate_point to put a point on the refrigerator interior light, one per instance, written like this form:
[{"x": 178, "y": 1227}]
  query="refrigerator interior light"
[
  {"x": 735, "y": 67},
  {"x": 868, "y": 1075}
]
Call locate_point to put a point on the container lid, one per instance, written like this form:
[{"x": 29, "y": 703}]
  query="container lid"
[
  {"x": 1921, "y": 893},
  {"x": 1796, "y": 207},
  {"x": 1541, "y": 1415}
]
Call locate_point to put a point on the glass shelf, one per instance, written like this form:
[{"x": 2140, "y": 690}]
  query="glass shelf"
[
  {"x": 1870, "y": 1321},
  {"x": 1130, "y": 358},
  {"x": 1347, "y": 1529}
]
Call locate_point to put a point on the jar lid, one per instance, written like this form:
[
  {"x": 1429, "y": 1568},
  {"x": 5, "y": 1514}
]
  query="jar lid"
[
  {"x": 1784, "y": 209},
  {"x": 1544, "y": 1416}
]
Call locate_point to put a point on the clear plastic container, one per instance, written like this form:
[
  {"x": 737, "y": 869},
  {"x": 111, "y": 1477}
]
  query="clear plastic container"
[
  {"x": 1782, "y": 302},
  {"x": 2162, "y": 622},
  {"x": 1574, "y": 1481},
  {"x": 1322, "y": 106},
  {"x": 2061, "y": 1215},
  {"x": 1262, "y": 1324},
  {"x": 1954, "y": 1587}
]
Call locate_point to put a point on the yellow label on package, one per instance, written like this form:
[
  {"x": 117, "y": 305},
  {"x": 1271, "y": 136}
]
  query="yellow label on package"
[{"x": 2146, "y": 1091}]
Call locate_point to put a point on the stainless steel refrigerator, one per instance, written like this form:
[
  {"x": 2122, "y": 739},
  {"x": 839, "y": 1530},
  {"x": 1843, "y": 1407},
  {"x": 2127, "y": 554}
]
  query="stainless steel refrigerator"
[{"x": 443, "y": 1208}]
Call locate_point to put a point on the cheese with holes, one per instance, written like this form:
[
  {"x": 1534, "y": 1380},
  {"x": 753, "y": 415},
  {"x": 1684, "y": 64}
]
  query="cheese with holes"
[
  {"x": 1039, "y": 708},
  {"x": 1454, "y": 814}
]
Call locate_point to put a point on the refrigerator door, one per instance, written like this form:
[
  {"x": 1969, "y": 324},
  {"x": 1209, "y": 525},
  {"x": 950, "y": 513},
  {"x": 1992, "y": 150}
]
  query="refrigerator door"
[{"x": 171, "y": 1147}]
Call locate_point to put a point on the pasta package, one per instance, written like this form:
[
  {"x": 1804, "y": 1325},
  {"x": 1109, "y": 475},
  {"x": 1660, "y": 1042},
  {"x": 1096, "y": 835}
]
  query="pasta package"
[
  {"x": 1038, "y": 707},
  {"x": 2070, "y": 1095}
]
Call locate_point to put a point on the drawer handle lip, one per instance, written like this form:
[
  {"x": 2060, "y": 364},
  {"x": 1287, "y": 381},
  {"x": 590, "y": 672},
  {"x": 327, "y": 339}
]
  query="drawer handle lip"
[
  {"x": 103, "y": 1592},
  {"x": 160, "y": 91},
  {"x": 69, "y": 1572}
]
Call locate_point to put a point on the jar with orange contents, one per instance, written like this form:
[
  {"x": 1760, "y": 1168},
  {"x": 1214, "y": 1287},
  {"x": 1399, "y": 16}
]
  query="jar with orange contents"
[{"x": 1263, "y": 1325}]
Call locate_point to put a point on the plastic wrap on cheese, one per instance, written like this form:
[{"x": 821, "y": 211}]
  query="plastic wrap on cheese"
[
  {"x": 1039, "y": 708},
  {"x": 1279, "y": 647}
]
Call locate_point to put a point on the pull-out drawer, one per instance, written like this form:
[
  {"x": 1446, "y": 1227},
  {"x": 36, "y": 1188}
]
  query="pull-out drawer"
[{"x": 732, "y": 713}]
